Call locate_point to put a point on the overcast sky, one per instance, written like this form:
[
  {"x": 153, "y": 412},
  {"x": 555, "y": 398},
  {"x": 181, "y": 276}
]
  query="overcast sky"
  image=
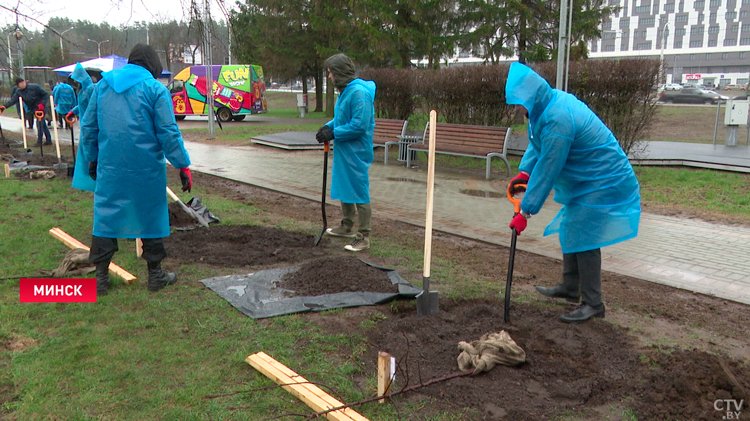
[{"x": 114, "y": 12}]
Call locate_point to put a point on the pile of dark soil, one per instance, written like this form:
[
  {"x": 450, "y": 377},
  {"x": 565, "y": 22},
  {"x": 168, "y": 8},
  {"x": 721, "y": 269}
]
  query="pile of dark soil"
[
  {"x": 12, "y": 148},
  {"x": 241, "y": 246},
  {"x": 178, "y": 218},
  {"x": 569, "y": 367},
  {"x": 331, "y": 275}
]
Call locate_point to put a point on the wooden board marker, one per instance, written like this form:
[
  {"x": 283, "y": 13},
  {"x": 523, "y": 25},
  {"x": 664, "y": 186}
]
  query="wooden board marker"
[
  {"x": 311, "y": 395},
  {"x": 71, "y": 242}
]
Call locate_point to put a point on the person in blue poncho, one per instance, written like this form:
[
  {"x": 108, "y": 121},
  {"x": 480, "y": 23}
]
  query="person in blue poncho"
[
  {"x": 351, "y": 132},
  {"x": 571, "y": 150},
  {"x": 81, "y": 178},
  {"x": 65, "y": 99},
  {"x": 127, "y": 131}
]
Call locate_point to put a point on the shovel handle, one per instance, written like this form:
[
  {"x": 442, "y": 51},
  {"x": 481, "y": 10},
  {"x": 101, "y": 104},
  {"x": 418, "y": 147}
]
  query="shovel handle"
[
  {"x": 39, "y": 115},
  {"x": 516, "y": 202},
  {"x": 327, "y": 146},
  {"x": 172, "y": 195},
  {"x": 71, "y": 120}
]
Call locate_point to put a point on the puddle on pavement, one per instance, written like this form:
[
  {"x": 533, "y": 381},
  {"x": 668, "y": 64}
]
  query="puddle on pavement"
[
  {"x": 408, "y": 180},
  {"x": 481, "y": 193}
]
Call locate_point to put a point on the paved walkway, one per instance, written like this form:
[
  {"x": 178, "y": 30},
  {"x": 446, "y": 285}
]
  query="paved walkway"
[{"x": 688, "y": 254}]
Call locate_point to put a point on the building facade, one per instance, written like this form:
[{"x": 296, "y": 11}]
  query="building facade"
[{"x": 703, "y": 41}]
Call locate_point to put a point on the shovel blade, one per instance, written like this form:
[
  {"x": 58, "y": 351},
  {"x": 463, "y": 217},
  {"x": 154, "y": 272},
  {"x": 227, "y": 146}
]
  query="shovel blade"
[
  {"x": 320, "y": 236},
  {"x": 427, "y": 303}
]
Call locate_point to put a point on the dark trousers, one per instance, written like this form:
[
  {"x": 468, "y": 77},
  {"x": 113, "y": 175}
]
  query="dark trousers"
[
  {"x": 45, "y": 131},
  {"x": 584, "y": 270},
  {"x": 102, "y": 249}
]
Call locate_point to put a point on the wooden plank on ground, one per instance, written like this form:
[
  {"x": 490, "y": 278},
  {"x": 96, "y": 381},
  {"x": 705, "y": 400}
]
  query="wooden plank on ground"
[
  {"x": 311, "y": 395},
  {"x": 71, "y": 242}
]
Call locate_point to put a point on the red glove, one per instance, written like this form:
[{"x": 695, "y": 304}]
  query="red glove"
[
  {"x": 2, "y": 108},
  {"x": 519, "y": 223},
  {"x": 70, "y": 116},
  {"x": 186, "y": 178},
  {"x": 521, "y": 178},
  {"x": 40, "y": 107}
]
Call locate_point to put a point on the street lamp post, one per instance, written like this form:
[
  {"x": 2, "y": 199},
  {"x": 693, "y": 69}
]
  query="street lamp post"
[
  {"x": 661, "y": 57},
  {"x": 17, "y": 34},
  {"x": 62, "y": 55},
  {"x": 99, "y": 46}
]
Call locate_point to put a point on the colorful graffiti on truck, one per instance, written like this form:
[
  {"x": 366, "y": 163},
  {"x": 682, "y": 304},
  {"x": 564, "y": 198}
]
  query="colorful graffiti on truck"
[{"x": 237, "y": 89}]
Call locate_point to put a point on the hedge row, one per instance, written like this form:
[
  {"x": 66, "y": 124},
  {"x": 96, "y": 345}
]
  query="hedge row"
[{"x": 619, "y": 91}]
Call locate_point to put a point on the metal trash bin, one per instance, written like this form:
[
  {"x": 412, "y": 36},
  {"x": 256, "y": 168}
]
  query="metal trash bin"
[{"x": 403, "y": 141}]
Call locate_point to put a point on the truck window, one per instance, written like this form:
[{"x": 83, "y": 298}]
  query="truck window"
[{"x": 176, "y": 86}]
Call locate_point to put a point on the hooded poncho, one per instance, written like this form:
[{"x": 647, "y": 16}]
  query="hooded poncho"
[
  {"x": 342, "y": 69},
  {"x": 572, "y": 150},
  {"x": 129, "y": 129},
  {"x": 353, "y": 125},
  {"x": 81, "y": 178}
]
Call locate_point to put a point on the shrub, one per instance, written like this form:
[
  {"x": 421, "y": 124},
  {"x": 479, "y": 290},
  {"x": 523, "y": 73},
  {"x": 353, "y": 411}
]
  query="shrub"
[
  {"x": 393, "y": 93},
  {"x": 620, "y": 92}
]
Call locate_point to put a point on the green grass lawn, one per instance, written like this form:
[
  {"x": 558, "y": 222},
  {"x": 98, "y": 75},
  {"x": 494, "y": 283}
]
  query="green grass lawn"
[{"x": 136, "y": 355}]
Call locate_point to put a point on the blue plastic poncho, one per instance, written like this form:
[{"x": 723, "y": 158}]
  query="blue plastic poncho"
[
  {"x": 353, "y": 125},
  {"x": 571, "y": 150},
  {"x": 64, "y": 97},
  {"x": 81, "y": 178},
  {"x": 129, "y": 127}
]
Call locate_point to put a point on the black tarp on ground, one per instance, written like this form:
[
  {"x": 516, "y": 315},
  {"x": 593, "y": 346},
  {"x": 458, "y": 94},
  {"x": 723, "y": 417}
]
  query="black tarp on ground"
[{"x": 256, "y": 295}]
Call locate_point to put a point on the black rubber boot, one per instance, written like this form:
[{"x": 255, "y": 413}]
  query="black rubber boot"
[
  {"x": 102, "y": 278},
  {"x": 157, "y": 278}
]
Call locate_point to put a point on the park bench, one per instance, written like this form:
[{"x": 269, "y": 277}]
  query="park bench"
[
  {"x": 465, "y": 140},
  {"x": 389, "y": 132}
]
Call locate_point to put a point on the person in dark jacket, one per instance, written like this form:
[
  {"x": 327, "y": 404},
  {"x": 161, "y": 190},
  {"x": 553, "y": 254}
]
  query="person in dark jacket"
[
  {"x": 34, "y": 97},
  {"x": 127, "y": 132}
]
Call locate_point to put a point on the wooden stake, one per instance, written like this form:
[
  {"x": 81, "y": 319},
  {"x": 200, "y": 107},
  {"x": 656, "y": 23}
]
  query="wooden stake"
[
  {"x": 138, "y": 247},
  {"x": 7, "y": 170},
  {"x": 386, "y": 373},
  {"x": 54, "y": 119},
  {"x": 23, "y": 122},
  {"x": 73, "y": 243},
  {"x": 311, "y": 395}
]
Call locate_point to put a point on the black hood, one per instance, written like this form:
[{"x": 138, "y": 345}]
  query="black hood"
[
  {"x": 146, "y": 57},
  {"x": 342, "y": 68}
]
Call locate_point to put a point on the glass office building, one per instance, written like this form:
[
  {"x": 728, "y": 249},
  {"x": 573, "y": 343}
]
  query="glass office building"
[{"x": 702, "y": 41}]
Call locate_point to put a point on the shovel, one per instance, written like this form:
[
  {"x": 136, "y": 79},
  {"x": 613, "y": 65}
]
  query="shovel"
[
  {"x": 326, "y": 148},
  {"x": 60, "y": 165},
  {"x": 427, "y": 301},
  {"x": 516, "y": 210},
  {"x": 40, "y": 133},
  {"x": 71, "y": 121},
  {"x": 187, "y": 209}
]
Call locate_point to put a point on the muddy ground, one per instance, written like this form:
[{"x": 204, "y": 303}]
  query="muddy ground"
[{"x": 660, "y": 353}]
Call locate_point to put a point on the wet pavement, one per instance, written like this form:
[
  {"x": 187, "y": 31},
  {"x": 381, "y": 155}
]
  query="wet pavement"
[
  {"x": 683, "y": 253},
  {"x": 689, "y": 254}
]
